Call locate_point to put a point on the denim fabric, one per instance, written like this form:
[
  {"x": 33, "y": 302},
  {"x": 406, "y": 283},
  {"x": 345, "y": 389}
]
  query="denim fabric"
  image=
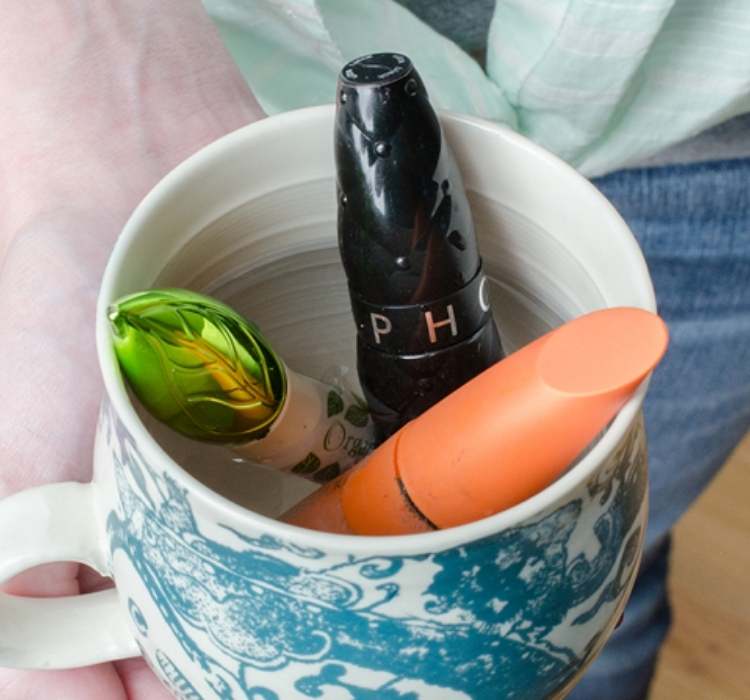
[{"x": 693, "y": 223}]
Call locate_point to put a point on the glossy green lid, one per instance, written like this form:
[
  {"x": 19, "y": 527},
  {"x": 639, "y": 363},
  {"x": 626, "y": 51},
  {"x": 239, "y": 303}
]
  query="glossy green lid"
[{"x": 197, "y": 365}]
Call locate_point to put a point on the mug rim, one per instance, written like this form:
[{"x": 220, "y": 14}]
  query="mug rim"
[{"x": 385, "y": 545}]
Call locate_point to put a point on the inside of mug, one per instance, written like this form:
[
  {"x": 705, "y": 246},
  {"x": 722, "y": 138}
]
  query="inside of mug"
[
  {"x": 273, "y": 257},
  {"x": 287, "y": 277}
]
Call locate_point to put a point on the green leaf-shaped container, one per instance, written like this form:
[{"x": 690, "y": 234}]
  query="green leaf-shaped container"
[{"x": 197, "y": 365}]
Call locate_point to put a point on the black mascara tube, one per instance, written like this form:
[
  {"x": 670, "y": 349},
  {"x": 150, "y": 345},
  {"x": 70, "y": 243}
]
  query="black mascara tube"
[{"x": 407, "y": 243}]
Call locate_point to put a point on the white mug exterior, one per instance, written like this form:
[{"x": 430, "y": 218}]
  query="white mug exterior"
[
  {"x": 225, "y": 602},
  {"x": 57, "y": 522}
]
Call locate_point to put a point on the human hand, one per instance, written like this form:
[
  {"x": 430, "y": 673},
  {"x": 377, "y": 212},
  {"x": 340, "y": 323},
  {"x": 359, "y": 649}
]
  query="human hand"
[{"x": 99, "y": 101}]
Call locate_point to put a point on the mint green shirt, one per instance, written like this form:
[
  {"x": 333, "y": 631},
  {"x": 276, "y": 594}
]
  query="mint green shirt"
[{"x": 601, "y": 83}]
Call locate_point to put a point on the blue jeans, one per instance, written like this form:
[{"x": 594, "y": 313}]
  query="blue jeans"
[{"x": 693, "y": 223}]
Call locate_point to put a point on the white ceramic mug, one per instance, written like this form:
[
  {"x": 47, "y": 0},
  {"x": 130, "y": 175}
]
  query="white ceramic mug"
[{"x": 225, "y": 602}]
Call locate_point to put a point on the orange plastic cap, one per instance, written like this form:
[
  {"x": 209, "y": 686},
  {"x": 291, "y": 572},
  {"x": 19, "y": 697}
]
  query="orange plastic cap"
[{"x": 511, "y": 431}]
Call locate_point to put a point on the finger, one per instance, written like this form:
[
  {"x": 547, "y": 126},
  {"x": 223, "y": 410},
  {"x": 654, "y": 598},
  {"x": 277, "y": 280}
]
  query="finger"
[
  {"x": 46, "y": 580},
  {"x": 91, "y": 683},
  {"x": 90, "y": 581},
  {"x": 139, "y": 681}
]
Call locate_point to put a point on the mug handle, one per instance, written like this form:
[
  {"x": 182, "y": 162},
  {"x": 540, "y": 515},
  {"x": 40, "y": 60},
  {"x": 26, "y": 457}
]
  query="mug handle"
[{"x": 55, "y": 523}]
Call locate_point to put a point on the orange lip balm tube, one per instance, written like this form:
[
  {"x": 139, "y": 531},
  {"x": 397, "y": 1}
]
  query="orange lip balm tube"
[{"x": 499, "y": 439}]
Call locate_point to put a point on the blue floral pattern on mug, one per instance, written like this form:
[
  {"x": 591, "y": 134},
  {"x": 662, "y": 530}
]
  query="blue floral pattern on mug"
[{"x": 515, "y": 615}]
